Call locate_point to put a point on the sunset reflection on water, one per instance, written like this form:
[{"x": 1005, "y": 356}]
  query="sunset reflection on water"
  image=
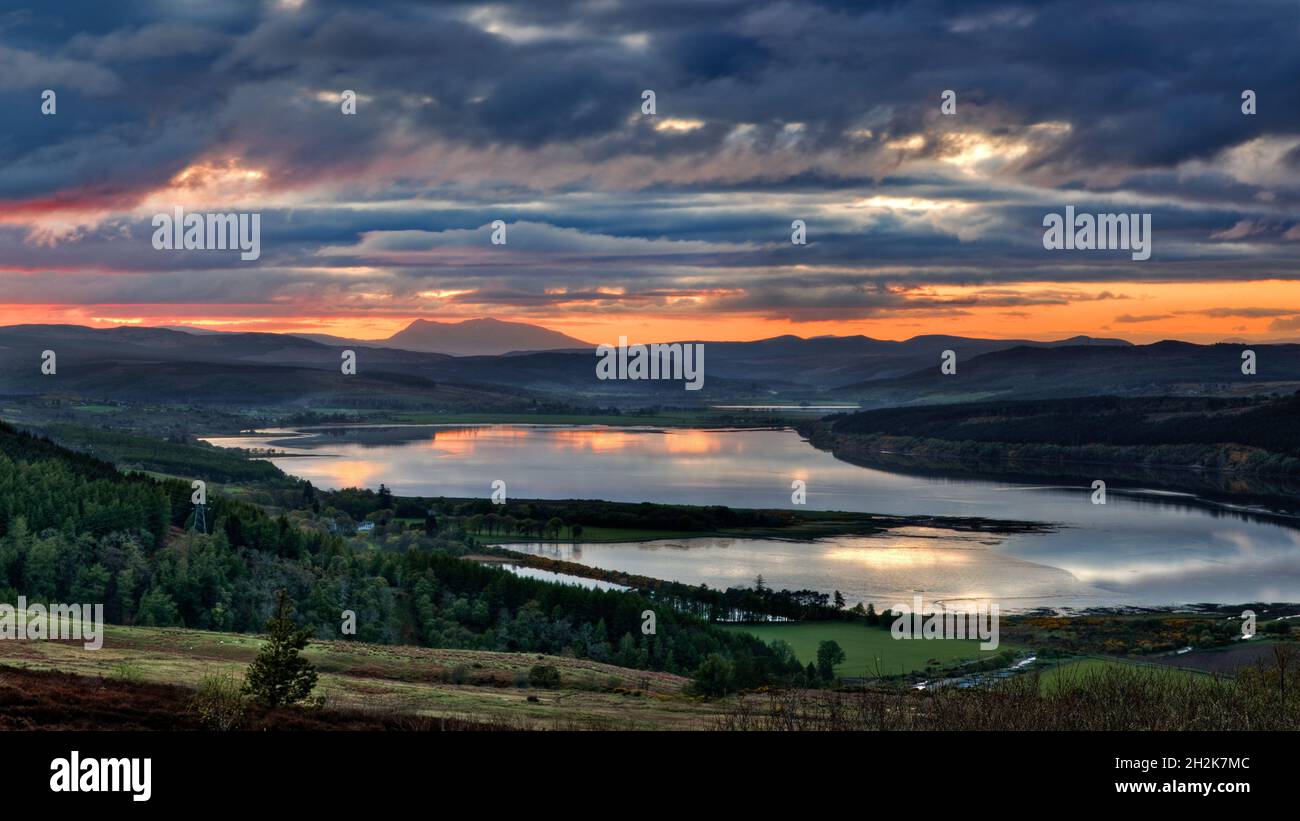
[{"x": 1143, "y": 549}]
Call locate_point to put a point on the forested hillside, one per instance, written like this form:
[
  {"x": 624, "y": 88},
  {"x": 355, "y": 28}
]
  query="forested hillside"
[
  {"x": 1269, "y": 423},
  {"x": 1256, "y": 436},
  {"x": 74, "y": 529}
]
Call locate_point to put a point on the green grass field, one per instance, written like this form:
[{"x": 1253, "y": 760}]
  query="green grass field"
[
  {"x": 867, "y": 649},
  {"x": 1075, "y": 670}
]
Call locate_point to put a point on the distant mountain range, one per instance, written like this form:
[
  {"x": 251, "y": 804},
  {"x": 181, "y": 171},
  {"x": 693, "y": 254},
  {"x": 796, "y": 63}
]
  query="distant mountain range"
[
  {"x": 833, "y": 361},
  {"x": 168, "y": 365},
  {"x": 822, "y": 362}
]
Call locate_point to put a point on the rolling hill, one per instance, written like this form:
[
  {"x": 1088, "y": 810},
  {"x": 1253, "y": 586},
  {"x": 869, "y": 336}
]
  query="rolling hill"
[
  {"x": 169, "y": 366},
  {"x": 163, "y": 365},
  {"x": 1168, "y": 367}
]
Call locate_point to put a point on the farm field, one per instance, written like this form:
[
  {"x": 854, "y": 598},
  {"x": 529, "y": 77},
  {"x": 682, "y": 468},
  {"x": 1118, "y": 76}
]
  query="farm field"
[
  {"x": 1078, "y": 670},
  {"x": 1223, "y": 659},
  {"x": 870, "y": 650}
]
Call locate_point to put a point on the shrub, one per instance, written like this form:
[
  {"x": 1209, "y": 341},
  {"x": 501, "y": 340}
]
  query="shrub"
[
  {"x": 714, "y": 677},
  {"x": 220, "y": 703},
  {"x": 127, "y": 671},
  {"x": 544, "y": 676}
]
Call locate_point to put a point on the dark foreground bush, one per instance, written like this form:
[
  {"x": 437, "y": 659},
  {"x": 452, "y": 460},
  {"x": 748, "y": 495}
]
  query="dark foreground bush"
[
  {"x": 220, "y": 703},
  {"x": 544, "y": 676}
]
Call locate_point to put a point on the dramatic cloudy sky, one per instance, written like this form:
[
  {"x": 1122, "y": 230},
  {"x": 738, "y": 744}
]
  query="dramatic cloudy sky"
[{"x": 673, "y": 225}]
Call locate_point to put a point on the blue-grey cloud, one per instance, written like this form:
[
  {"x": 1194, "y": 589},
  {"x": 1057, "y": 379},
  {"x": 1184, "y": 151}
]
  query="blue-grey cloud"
[{"x": 767, "y": 112}]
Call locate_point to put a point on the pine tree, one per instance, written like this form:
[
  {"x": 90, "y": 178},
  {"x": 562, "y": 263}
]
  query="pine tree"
[{"x": 279, "y": 675}]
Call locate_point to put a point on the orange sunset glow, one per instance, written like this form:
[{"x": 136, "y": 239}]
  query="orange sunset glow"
[
  {"x": 884, "y": 216},
  {"x": 1137, "y": 311}
]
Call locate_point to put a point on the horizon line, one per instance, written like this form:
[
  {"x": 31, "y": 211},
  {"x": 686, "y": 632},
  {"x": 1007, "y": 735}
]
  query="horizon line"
[{"x": 198, "y": 331}]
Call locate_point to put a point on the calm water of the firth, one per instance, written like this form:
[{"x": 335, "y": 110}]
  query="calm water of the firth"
[{"x": 1136, "y": 549}]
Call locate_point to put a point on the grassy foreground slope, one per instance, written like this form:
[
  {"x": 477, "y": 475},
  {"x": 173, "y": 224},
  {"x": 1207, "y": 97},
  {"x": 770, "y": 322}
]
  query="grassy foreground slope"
[
  {"x": 387, "y": 680},
  {"x": 51, "y": 700}
]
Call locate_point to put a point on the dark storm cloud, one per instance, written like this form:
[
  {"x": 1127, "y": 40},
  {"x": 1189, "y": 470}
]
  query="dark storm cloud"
[
  {"x": 1142, "y": 86},
  {"x": 767, "y": 112}
]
